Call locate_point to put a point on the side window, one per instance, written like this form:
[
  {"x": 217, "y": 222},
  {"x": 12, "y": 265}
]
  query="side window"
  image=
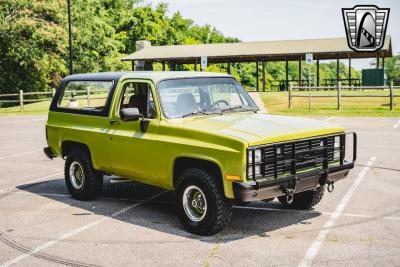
[
  {"x": 85, "y": 95},
  {"x": 138, "y": 95}
]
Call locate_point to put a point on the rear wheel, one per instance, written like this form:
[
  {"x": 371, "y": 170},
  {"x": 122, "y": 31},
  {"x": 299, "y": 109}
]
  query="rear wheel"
[
  {"x": 202, "y": 206},
  {"x": 304, "y": 200},
  {"x": 82, "y": 180}
]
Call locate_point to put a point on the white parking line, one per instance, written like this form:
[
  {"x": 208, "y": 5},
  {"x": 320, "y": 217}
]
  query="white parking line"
[
  {"x": 315, "y": 246},
  {"x": 9, "y": 189},
  {"x": 318, "y": 212},
  {"x": 21, "y": 154},
  {"x": 397, "y": 125},
  {"x": 328, "y": 119},
  {"x": 77, "y": 231}
]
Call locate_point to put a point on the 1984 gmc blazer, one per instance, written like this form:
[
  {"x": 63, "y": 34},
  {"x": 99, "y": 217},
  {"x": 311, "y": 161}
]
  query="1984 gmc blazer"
[{"x": 197, "y": 133}]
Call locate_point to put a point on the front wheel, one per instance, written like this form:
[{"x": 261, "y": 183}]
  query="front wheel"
[
  {"x": 202, "y": 206},
  {"x": 304, "y": 200}
]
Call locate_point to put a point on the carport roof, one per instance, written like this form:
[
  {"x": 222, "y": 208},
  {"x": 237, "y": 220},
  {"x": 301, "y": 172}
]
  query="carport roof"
[{"x": 330, "y": 48}]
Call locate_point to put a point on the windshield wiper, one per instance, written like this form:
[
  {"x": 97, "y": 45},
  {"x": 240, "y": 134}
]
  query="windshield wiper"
[
  {"x": 196, "y": 112},
  {"x": 239, "y": 107}
]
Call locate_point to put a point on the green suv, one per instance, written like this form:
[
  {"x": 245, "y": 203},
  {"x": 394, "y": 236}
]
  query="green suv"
[{"x": 197, "y": 133}]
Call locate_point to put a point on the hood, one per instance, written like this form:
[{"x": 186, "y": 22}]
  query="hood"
[{"x": 258, "y": 128}]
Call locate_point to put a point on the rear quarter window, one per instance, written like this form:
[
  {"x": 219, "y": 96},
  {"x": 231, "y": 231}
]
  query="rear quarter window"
[{"x": 85, "y": 95}]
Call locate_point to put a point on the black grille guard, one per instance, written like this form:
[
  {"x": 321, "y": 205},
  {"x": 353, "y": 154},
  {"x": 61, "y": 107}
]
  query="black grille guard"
[{"x": 292, "y": 160}]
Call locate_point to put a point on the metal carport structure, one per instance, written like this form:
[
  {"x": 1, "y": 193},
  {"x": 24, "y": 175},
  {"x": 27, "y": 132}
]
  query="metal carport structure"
[{"x": 259, "y": 52}]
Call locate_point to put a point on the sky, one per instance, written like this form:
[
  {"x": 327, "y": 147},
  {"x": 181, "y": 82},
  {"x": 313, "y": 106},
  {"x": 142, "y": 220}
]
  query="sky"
[{"x": 265, "y": 20}]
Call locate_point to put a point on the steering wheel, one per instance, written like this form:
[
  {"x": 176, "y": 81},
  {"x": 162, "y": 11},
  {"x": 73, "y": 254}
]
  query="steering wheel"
[{"x": 216, "y": 104}]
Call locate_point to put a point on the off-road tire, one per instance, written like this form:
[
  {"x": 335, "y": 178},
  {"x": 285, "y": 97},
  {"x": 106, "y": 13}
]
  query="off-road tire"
[
  {"x": 93, "y": 180},
  {"x": 219, "y": 209},
  {"x": 304, "y": 200}
]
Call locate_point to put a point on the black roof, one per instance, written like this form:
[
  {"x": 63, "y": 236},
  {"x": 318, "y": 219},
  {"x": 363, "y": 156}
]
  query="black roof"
[{"x": 96, "y": 76}]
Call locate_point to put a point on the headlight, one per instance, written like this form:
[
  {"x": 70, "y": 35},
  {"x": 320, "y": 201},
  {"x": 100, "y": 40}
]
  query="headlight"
[
  {"x": 337, "y": 147},
  {"x": 257, "y": 156},
  {"x": 257, "y": 170},
  {"x": 337, "y": 141}
]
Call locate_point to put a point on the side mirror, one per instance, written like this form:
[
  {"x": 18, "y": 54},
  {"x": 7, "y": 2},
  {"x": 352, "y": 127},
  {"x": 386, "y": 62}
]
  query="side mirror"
[{"x": 130, "y": 114}]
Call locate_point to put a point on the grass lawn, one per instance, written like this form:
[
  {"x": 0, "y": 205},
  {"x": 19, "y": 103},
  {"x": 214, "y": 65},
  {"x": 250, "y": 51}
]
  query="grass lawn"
[
  {"x": 277, "y": 103},
  {"x": 39, "y": 108}
]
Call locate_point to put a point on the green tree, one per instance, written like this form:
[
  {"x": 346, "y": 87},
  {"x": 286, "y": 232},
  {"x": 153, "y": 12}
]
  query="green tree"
[
  {"x": 95, "y": 46},
  {"x": 32, "y": 45},
  {"x": 392, "y": 70}
]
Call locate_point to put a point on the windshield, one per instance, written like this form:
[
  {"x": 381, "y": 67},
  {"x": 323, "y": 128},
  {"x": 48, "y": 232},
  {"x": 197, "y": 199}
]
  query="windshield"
[{"x": 194, "y": 96}]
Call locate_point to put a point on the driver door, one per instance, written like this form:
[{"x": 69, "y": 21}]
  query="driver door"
[{"x": 131, "y": 150}]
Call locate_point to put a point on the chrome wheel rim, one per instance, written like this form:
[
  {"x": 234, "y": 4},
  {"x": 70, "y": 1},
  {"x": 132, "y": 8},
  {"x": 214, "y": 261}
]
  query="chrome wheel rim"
[
  {"x": 76, "y": 175},
  {"x": 194, "y": 203}
]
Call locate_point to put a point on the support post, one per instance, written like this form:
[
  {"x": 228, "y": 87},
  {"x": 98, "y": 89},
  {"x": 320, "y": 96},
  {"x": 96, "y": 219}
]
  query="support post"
[
  {"x": 349, "y": 71},
  {"x": 163, "y": 65},
  {"x": 290, "y": 95},
  {"x": 263, "y": 76},
  {"x": 257, "y": 76},
  {"x": 229, "y": 68},
  {"x": 71, "y": 69},
  {"x": 300, "y": 72},
  {"x": 317, "y": 72},
  {"x": 391, "y": 95},
  {"x": 337, "y": 71},
  {"x": 287, "y": 75},
  {"x": 133, "y": 65},
  {"x": 21, "y": 100},
  {"x": 339, "y": 95},
  {"x": 377, "y": 60},
  {"x": 383, "y": 63},
  {"x": 88, "y": 96},
  {"x": 309, "y": 87}
]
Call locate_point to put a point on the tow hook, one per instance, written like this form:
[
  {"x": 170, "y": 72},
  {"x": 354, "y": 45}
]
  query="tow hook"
[
  {"x": 331, "y": 185},
  {"x": 289, "y": 195}
]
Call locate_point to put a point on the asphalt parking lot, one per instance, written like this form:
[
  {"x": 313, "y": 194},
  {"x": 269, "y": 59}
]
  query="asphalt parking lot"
[{"x": 135, "y": 225}]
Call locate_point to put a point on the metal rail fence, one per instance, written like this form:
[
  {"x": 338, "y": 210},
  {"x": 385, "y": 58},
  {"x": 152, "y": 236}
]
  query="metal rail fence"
[{"x": 340, "y": 94}]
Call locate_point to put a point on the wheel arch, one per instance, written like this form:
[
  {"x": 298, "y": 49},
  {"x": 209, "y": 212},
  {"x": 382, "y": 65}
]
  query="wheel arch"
[
  {"x": 68, "y": 146},
  {"x": 186, "y": 162}
]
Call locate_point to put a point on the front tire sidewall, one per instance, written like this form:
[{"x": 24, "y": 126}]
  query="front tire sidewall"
[{"x": 211, "y": 213}]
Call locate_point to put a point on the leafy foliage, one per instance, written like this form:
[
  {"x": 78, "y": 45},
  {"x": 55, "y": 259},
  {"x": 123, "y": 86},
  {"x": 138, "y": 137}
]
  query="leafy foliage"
[
  {"x": 392, "y": 66},
  {"x": 32, "y": 43},
  {"x": 34, "y": 53}
]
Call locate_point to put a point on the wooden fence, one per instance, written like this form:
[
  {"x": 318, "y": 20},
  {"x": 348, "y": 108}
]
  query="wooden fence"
[
  {"x": 20, "y": 97},
  {"x": 340, "y": 94}
]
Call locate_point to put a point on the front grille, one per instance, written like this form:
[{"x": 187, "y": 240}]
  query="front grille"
[{"x": 281, "y": 160}]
